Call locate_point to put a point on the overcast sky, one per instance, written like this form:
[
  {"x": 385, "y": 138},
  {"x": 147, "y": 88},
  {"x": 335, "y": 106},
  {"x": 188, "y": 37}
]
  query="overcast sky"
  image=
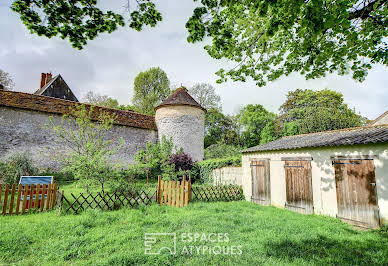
[{"x": 109, "y": 64}]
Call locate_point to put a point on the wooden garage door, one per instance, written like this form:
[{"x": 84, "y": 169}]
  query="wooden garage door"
[
  {"x": 356, "y": 191},
  {"x": 298, "y": 186},
  {"x": 261, "y": 182}
]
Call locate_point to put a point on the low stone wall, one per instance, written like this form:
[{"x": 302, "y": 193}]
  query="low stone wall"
[
  {"x": 25, "y": 131},
  {"x": 228, "y": 176}
]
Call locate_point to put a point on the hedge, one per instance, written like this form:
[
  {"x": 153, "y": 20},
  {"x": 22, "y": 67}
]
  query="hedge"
[{"x": 202, "y": 171}]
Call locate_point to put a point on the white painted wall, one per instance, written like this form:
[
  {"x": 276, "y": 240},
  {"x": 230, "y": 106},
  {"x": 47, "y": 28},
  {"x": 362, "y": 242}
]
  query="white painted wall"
[
  {"x": 323, "y": 180},
  {"x": 228, "y": 176}
]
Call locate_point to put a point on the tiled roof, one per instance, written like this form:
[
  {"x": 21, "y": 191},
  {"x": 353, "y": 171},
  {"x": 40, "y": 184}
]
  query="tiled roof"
[
  {"x": 58, "y": 106},
  {"x": 180, "y": 97},
  {"x": 379, "y": 118},
  {"x": 349, "y": 136}
]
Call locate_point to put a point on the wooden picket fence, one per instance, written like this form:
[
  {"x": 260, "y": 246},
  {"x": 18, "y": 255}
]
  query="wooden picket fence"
[
  {"x": 174, "y": 193},
  {"x": 16, "y": 199}
]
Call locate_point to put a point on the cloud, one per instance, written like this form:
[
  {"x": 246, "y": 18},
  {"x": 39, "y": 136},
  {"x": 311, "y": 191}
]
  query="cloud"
[{"x": 109, "y": 64}]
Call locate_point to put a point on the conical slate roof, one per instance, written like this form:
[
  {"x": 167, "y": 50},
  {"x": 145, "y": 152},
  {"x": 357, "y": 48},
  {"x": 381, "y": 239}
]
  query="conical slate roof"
[{"x": 180, "y": 97}]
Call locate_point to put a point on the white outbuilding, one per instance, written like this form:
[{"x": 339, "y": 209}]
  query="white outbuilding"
[{"x": 340, "y": 173}]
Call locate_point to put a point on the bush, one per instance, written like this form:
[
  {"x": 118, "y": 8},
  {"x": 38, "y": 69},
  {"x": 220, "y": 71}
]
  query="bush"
[
  {"x": 202, "y": 171},
  {"x": 222, "y": 150},
  {"x": 156, "y": 158},
  {"x": 182, "y": 162},
  {"x": 58, "y": 176},
  {"x": 17, "y": 165}
]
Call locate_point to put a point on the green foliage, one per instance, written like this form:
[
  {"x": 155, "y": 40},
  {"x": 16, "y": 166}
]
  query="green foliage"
[
  {"x": 101, "y": 100},
  {"x": 150, "y": 88},
  {"x": 220, "y": 128},
  {"x": 290, "y": 129},
  {"x": 14, "y": 167},
  {"x": 91, "y": 147},
  {"x": 155, "y": 158},
  {"x": 266, "y": 39},
  {"x": 81, "y": 20},
  {"x": 253, "y": 119},
  {"x": 202, "y": 171},
  {"x": 308, "y": 111},
  {"x": 59, "y": 176},
  {"x": 205, "y": 94},
  {"x": 222, "y": 150},
  {"x": 270, "y": 39},
  {"x": 268, "y": 133}
]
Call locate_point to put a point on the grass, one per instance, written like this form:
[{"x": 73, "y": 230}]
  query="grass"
[{"x": 267, "y": 235}]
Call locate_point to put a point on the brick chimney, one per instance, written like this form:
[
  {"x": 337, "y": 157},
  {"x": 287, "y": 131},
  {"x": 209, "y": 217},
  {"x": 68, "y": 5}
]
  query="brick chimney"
[{"x": 45, "y": 78}]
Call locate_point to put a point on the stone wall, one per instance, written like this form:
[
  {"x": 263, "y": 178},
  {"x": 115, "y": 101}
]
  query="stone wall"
[
  {"x": 228, "y": 176},
  {"x": 24, "y": 131}
]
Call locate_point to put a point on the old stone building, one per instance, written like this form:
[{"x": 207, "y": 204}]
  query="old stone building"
[
  {"x": 55, "y": 87},
  {"x": 23, "y": 120},
  {"x": 181, "y": 118}
]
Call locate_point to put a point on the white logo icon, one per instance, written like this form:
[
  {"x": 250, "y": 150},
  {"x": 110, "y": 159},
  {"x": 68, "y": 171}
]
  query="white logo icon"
[{"x": 150, "y": 240}]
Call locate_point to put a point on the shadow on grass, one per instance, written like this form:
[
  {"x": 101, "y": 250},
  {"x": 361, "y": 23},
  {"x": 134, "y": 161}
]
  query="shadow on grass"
[{"x": 322, "y": 249}]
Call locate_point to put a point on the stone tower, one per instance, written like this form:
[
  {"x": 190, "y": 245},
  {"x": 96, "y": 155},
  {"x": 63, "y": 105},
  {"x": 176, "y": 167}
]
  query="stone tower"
[{"x": 181, "y": 118}]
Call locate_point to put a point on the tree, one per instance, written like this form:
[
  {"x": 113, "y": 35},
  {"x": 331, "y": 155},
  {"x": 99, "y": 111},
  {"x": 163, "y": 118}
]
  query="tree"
[
  {"x": 81, "y": 20},
  {"x": 266, "y": 39},
  {"x": 222, "y": 150},
  {"x": 270, "y": 39},
  {"x": 6, "y": 80},
  {"x": 206, "y": 96},
  {"x": 155, "y": 157},
  {"x": 150, "y": 88},
  {"x": 220, "y": 128},
  {"x": 253, "y": 119},
  {"x": 90, "y": 147},
  {"x": 268, "y": 133},
  {"x": 308, "y": 111},
  {"x": 100, "y": 100}
]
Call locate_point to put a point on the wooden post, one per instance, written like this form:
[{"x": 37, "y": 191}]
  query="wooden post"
[
  {"x": 165, "y": 192},
  {"x": 12, "y": 199},
  {"x": 177, "y": 193},
  {"x": 54, "y": 196},
  {"x": 25, "y": 198},
  {"x": 190, "y": 188},
  {"x": 20, "y": 187},
  {"x": 5, "y": 199},
  {"x": 173, "y": 193},
  {"x": 169, "y": 193},
  {"x": 43, "y": 199},
  {"x": 36, "y": 204},
  {"x": 187, "y": 193},
  {"x": 182, "y": 192},
  {"x": 31, "y": 193},
  {"x": 49, "y": 190}
]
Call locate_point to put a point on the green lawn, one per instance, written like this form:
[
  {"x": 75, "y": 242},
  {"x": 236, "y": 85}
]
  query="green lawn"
[{"x": 267, "y": 235}]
